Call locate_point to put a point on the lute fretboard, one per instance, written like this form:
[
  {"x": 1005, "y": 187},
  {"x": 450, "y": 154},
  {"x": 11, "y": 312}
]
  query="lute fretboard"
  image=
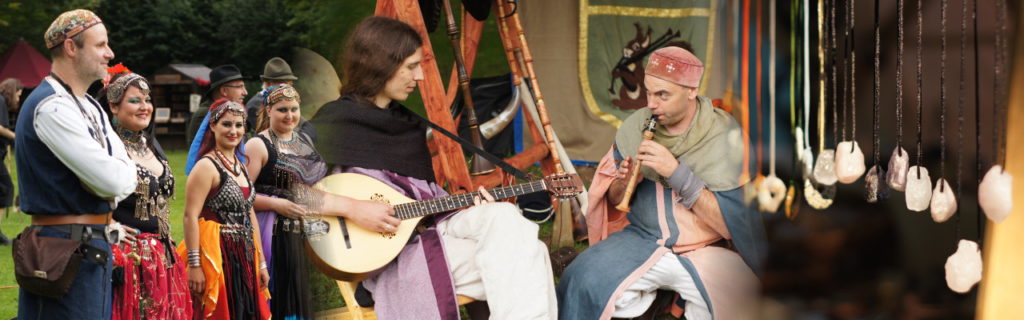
[{"x": 427, "y": 207}]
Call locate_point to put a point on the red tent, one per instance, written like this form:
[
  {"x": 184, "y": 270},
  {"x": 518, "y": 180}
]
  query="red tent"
[{"x": 23, "y": 62}]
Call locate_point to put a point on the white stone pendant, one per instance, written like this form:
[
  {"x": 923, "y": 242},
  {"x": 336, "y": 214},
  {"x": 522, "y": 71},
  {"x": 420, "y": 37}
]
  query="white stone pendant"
[
  {"x": 874, "y": 185},
  {"x": 943, "y": 203},
  {"x": 751, "y": 189},
  {"x": 825, "y": 168},
  {"x": 963, "y": 268},
  {"x": 919, "y": 189},
  {"x": 898, "y": 165},
  {"x": 819, "y": 199},
  {"x": 849, "y": 162},
  {"x": 995, "y": 194},
  {"x": 770, "y": 194}
]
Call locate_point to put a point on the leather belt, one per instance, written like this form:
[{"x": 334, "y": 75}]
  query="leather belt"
[
  {"x": 46, "y": 220},
  {"x": 79, "y": 231}
]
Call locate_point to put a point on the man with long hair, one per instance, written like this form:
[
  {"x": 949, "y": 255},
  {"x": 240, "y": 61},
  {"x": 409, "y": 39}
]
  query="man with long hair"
[{"x": 487, "y": 252}]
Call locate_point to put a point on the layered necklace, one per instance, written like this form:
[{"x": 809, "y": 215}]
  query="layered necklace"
[
  {"x": 231, "y": 165},
  {"x": 135, "y": 142}
]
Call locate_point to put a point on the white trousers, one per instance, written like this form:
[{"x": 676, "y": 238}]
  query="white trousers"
[
  {"x": 495, "y": 256},
  {"x": 668, "y": 273}
]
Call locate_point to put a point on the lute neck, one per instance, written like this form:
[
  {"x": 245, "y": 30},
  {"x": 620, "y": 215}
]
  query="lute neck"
[{"x": 437, "y": 205}]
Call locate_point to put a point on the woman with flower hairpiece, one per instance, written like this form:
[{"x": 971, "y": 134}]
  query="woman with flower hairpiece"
[
  {"x": 226, "y": 267},
  {"x": 151, "y": 280}
]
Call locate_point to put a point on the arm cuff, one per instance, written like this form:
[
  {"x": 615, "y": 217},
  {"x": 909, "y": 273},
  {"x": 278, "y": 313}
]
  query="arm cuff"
[{"x": 686, "y": 184}]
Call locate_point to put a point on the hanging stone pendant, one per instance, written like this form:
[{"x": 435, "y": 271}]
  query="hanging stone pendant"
[
  {"x": 943, "y": 203},
  {"x": 770, "y": 194},
  {"x": 919, "y": 189},
  {"x": 792, "y": 202},
  {"x": 849, "y": 162},
  {"x": 963, "y": 268},
  {"x": 819, "y": 196},
  {"x": 898, "y": 165},
  {"x": 825, "y": 168},
  {"x": 875, "y": 187},
  {"x": 995, "y": 194},
  {"x": 751, "y": 189}
]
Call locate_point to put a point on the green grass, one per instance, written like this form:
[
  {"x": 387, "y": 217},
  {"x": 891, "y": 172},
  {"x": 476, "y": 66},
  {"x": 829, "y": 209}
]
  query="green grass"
[
  {"x": 14, "y": 222},
  {"x": 12, "y": 225}
]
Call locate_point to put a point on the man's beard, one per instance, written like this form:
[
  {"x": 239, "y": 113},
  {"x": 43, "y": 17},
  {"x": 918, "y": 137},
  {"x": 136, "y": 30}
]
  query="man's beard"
[{"x": 89, "y": 71}]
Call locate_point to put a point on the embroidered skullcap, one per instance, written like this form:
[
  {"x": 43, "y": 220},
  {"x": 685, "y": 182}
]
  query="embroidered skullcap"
[
  {"x": 69, "y": 24},
  {"x": 676, "y": 65},
  {"x": 275, "y": 94},
  {"x": 117, "y": 88}
]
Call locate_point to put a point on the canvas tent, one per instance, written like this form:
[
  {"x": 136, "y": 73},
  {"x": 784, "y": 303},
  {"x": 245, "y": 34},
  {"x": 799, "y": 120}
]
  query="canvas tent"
[{"x": 23, "y": 62}]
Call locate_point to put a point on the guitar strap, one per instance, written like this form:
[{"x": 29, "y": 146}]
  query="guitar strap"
[{"x": 469, "y": 145}]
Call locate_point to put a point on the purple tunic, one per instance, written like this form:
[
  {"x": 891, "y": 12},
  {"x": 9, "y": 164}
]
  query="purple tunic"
[{"x": 419, "y": 281}]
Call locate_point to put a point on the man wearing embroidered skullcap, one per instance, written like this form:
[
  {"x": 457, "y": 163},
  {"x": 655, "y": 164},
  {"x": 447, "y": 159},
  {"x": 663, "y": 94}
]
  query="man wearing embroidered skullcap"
[
  {"x": 687, "y": 229},
  {"x": 72, "y": 170}
]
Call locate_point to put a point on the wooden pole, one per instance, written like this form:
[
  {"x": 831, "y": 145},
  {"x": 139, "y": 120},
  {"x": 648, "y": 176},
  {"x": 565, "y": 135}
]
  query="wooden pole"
[
  {"x": 480, "y": 164},
  {"x": 1003, "y": 257},
  {"x": 569, "y": 224}
]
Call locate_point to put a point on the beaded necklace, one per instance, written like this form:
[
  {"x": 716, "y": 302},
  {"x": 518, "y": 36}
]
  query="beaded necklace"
[{"x": 231, "y": 166}]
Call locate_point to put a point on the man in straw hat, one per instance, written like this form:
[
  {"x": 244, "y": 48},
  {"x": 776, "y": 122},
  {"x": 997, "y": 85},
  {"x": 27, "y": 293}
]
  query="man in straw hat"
[
  {"x": 72, "y": 169},
  {"x": 687, "y": 229}
]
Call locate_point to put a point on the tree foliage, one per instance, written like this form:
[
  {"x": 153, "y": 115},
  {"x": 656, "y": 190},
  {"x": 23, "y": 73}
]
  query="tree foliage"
[
  {"x": 28, "y": 19},
  {"x": 149, "y": 34}
]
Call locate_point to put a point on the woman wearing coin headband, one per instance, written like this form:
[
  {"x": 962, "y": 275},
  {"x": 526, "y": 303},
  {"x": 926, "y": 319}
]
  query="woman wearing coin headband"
[{"x": 225, "y": 259}]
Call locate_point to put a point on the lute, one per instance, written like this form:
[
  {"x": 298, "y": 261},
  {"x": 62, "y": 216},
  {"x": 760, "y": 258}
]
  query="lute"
[{"x": 345, "y": 251}]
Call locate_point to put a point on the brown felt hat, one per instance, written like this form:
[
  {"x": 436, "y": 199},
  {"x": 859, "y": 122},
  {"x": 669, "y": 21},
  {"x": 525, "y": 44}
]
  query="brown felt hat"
[{"x": 277, "y": 69}]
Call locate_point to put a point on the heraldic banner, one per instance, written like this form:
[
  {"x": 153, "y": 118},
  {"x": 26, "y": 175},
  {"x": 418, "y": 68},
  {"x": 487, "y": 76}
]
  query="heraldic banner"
[{"x": 617, "y": 36}]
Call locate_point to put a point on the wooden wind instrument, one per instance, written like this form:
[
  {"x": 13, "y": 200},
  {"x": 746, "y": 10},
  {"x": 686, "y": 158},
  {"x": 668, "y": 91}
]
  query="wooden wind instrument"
[
  {"x": 480, "y": 165},
  {"x": 635, "y": 173},
  {"x": 520, "y": 53}
]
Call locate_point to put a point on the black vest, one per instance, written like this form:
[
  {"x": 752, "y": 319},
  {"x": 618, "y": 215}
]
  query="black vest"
[{"x": 46, "y": 185}]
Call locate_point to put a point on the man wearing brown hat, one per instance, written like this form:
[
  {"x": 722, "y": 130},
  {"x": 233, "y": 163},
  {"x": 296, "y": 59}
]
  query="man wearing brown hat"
[
  {"x": 72, "y": 169},
  {"x": 226, "y": 82},
  {"x": 687, "y": 229},
  {"x": 276, "y": 72}
]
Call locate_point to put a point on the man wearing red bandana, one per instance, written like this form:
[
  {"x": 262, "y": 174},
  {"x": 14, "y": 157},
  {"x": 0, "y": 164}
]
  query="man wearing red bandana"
[{"x": 687, "y": 230}]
